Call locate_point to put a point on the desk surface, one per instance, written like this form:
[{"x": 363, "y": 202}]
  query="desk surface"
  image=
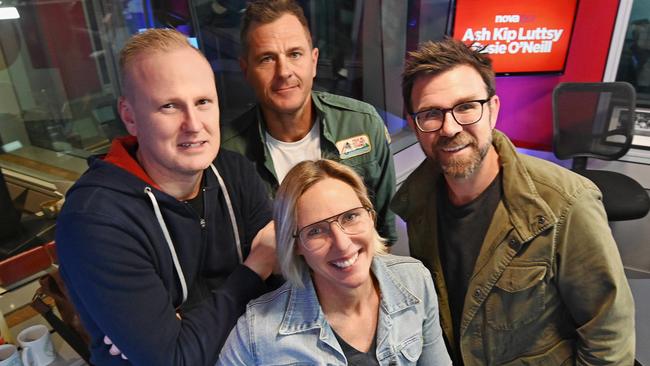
[
  {"x": 66, "y": 356},
  {"x": 19, "y": 297}
]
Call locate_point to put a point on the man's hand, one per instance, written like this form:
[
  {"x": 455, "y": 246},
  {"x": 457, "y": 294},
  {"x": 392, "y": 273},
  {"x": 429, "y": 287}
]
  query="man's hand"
[{"x": 261, "y": 259}]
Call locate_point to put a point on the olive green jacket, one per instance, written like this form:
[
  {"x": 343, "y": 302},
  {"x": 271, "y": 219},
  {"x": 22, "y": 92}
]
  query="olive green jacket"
[
  {"x": 342, "y": 119},
  {"x": 548, "y": 286}
]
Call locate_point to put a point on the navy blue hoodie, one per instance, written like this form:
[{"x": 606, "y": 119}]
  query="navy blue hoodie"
[{"x": 119, "y": 270}]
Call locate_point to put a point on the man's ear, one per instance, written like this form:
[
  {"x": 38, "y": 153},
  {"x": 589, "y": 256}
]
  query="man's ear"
[
  {"x": 411, "y": 122},
  {"x": 314, "y": 57},
  {"x": 495, "y": 103},
  {"x": 125, "y": 109}
]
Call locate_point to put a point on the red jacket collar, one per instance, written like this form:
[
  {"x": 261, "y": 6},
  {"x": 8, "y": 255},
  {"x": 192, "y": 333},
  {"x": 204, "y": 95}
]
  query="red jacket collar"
[{"x": 119, "y": 156}]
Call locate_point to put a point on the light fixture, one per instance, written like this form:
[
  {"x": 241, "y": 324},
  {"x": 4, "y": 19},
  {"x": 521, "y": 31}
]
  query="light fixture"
[{"x": 9, "y": 12}]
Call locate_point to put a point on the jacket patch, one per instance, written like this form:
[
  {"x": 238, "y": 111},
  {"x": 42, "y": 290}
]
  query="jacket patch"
[{"x": 354, "y": 146}]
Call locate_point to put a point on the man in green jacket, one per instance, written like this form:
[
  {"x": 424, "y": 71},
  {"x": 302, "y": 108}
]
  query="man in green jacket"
[
  {"x": 292, "y": 123},
  {"x": 525, "y": 266}
]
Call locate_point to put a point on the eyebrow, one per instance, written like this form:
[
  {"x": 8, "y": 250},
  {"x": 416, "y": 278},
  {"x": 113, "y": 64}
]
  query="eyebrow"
[
  {"x": 456, "y": 102},
  {"x": 296, "y": 48}
]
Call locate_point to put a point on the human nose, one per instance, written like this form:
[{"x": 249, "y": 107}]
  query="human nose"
[
  {"x": 340, "y": 239},
  {"x": 192, "y": 121},
  {"x": 449, "y": 125},
  {"x": 283, "y": 67}
]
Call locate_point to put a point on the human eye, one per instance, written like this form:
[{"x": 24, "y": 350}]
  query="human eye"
[
  {"x": 467, "y": 107},
  {"x": 168, "y": 107},
  {"x": 204, "y": 102},
  {"x": 350, "y": 216},
  {"x": 431, "y": 114},
  {"x": 314, "y": 231},
  {"x": 295, "y": 54},
  {"x": 266, "y": 59}
]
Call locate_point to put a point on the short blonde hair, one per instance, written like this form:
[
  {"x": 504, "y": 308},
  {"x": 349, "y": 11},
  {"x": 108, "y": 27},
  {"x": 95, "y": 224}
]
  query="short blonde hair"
[
  {"x": 299, "y": 179},
  {"x": 147, "y": 42}
]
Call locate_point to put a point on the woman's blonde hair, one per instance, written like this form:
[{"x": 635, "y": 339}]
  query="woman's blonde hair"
[{"x": 299, "y": 179}]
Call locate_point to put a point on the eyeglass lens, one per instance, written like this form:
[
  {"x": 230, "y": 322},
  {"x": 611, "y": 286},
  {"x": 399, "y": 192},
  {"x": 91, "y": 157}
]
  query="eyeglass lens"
[
  {"x": 465, "y": 113},
  {"x": 352, "y": 222}
]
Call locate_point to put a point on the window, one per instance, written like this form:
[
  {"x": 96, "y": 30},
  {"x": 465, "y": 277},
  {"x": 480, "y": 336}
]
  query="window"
[{"x": 59, "y": 74}]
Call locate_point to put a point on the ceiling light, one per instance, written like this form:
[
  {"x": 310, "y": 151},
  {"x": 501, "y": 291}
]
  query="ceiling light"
[{"x": 9, "y": 12}]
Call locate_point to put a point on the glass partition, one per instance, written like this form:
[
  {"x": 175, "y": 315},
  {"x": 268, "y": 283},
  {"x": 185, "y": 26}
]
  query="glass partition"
[
  {"x": 634, "y": 65},
  {"x": 59, "y": 74},
  {"x": 362, "y": 45},
  {"x": 57, "y": 86}
]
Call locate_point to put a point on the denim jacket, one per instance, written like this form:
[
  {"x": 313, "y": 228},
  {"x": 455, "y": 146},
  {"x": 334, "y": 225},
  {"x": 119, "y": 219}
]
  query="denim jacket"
[
  {"x": 288, "y": 326},
  {"x": 548, "y": 286}
]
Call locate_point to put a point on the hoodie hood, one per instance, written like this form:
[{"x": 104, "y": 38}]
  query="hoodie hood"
[
  {"x": 122, "y": 154},
  {"x": 117, "y": 170}
]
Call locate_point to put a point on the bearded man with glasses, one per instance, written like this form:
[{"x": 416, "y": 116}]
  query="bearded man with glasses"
[{"x": 524, "y": 263}]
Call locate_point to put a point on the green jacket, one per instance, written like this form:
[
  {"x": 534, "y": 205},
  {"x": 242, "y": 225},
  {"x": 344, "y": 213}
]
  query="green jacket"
[
  {"x": 341, "y": 119},
  {"x": 548, "y": 286}
]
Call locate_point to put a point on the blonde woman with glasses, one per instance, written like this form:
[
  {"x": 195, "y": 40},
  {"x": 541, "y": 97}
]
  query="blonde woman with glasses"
[{"x": 345, "y": 302}]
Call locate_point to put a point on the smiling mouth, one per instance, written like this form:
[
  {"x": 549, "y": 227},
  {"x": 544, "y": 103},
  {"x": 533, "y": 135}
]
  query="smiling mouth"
[
  {"x": 285, "y": 88},
  {"x": 450, "y": 149},
  {"x": 342, "y": 264},
  {"x": 188, "y": 145}
]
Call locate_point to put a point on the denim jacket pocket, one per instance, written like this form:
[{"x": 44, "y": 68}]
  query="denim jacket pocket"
[
  {"x": 411, "y": 348},
  {"x": 517, "y": 298}
]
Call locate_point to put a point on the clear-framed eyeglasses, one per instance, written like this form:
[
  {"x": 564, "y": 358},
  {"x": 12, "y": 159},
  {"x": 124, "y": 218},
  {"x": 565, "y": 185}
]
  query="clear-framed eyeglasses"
[
  {"x": 315, "y": 236},
  {"x": 464, "y": 113}
]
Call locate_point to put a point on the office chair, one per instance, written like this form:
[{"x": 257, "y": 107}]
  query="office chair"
[{"x": 596, "y": 120}]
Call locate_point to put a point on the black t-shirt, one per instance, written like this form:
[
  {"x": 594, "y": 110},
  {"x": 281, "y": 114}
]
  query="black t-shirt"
[
  {"x": 197, "y": 202},
  {"x": 461, "y": 234},
  {"x": 356, "y": 357}
]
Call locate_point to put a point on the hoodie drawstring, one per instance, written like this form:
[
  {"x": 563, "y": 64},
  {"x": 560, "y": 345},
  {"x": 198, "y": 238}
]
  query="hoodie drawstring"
[
  {"x": 168, "y": 239},
  {"x": 231, "y": 212}
]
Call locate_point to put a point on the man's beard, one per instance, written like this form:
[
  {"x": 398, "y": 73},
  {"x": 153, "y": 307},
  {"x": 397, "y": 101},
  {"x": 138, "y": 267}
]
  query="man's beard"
[{"x": 460, "y": 167}]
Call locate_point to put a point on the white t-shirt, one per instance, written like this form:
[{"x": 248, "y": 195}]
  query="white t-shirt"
[{"x": 287, "y": 154}]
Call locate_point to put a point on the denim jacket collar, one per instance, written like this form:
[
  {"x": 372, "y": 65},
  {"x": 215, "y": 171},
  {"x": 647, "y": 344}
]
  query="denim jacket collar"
[{"x": 304, "y": 312}]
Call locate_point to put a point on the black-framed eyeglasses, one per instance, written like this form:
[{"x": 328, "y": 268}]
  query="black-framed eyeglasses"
[
  {"x": 464, "y": 113},
  {"x": 315, "y": 236}
]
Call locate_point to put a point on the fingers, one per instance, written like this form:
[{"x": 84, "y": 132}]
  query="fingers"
[{"x": 113, "y": 350}]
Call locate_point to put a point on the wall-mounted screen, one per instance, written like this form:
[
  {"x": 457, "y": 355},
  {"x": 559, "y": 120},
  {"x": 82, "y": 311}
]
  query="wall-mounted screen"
[{"x": 522, "y": 36}]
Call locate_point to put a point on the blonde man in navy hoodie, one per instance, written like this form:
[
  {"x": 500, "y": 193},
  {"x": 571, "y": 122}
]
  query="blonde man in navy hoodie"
[{"x": 162, "y": 242}]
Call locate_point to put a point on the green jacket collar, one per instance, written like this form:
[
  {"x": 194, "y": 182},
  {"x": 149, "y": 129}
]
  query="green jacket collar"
[{"x": 317, "y": 103}]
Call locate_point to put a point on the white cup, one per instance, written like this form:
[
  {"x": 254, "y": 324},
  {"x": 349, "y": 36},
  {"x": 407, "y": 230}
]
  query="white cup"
[
  {"x": 9, "y": 355},
  {"x": 37, "y": 346}
]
